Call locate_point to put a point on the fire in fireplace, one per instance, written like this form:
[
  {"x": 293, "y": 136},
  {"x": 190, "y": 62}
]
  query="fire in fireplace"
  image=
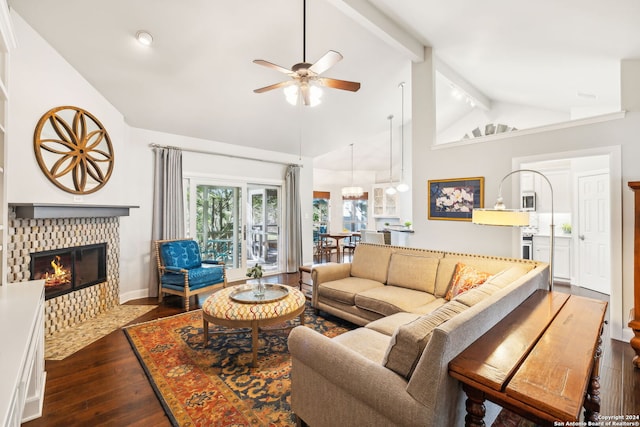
[{"x": 69, "y": 269}]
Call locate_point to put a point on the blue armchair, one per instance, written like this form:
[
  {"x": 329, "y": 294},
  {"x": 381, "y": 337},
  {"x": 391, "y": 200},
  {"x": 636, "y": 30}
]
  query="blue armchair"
[{"x": 183, "y": 272}]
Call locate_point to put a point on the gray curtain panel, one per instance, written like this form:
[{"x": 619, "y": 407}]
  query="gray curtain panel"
[
  {"x": 168, "y": 206},
  {"x": 293, "y": 219}
]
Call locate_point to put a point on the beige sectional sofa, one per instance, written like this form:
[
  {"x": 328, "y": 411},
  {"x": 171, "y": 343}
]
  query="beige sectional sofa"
[{"x": 394, "y": 369}]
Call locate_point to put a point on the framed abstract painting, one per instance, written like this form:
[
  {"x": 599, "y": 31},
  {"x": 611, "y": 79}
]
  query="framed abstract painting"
[{"x": 454, "y": 199}]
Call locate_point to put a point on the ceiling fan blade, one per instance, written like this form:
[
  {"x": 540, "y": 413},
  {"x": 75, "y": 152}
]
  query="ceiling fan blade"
[
  {"x": 274, "y": 86},
  {"x": 339, "y": 84},
  {"x": 329, "y": 59},
  {"x": 272, "y": 66}
]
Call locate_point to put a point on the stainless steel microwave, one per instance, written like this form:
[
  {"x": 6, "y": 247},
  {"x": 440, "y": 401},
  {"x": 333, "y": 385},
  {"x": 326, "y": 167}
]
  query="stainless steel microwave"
[{"x": 528, "y": 202}]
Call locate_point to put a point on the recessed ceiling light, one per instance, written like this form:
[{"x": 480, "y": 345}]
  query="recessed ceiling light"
[{"x": 144, "y": 38}]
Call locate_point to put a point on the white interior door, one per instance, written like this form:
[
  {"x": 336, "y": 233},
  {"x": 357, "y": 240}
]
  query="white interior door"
[{"x": 594, "y": 233}]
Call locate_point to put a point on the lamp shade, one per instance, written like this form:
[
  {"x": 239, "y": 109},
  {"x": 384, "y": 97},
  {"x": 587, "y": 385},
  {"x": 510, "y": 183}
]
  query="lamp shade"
[{"x": 507, "y": 217}]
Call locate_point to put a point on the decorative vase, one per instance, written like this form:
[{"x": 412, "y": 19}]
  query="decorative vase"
[{"x": 258, "y": 288}]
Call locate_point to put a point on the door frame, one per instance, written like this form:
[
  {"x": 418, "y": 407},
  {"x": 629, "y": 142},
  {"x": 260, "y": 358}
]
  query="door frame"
[
  {"x": 234, "y": 181},
  {"x": 618, "y": 328}
]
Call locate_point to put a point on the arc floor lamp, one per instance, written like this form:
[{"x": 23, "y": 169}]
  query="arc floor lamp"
[{"x": 499, "y": 215}]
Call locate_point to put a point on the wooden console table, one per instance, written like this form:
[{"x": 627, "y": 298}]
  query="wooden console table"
[{"x": 541, "y": 361}]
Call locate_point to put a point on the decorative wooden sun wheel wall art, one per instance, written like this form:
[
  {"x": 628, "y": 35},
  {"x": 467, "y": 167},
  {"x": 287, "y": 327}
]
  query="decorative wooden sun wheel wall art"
[{"x": 73, "y": 150}]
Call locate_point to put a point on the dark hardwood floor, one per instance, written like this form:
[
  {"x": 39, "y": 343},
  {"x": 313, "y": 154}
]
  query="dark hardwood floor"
[{"x": 104, "y": 385}]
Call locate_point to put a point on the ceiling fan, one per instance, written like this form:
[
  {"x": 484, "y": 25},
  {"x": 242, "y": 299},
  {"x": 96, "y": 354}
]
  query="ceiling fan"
[{"x": 306, "y": 77}]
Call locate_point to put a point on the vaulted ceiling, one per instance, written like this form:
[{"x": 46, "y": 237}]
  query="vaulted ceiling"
[{"x": 197, "y": 78}]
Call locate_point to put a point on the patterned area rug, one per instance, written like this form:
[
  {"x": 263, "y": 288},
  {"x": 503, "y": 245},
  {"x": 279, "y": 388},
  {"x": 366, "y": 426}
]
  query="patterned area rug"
[
  {"x": 64, "y": 343},
  {"x": 216, "y": 385}
]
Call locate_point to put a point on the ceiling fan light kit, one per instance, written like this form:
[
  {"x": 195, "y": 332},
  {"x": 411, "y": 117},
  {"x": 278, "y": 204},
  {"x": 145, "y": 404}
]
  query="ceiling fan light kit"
[
  {"x": 306, "y": 83},
  {"x": 293, "y": 93}
]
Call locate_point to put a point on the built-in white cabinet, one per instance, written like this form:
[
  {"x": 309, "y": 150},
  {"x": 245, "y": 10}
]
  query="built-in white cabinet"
[
  {"x": 559, "y": 179},
  {"x": 562, "y": 256},
  {"x": 384, "y": 205},
  {"x": 22, "y": 355}
]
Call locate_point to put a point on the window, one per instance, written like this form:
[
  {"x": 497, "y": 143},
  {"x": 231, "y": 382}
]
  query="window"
[
  {"x": 320, "y": 213},
  {"x": 354, "y": 213}
]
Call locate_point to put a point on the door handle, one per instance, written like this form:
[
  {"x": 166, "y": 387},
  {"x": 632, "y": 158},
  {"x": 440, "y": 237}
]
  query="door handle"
[{"x": 581, "y": 237}]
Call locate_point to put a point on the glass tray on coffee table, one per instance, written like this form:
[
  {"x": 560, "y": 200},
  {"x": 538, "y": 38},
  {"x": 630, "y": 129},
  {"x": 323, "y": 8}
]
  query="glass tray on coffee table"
[{"x": 272, "y": 292}]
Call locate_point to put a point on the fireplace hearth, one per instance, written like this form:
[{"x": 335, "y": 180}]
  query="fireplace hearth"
[{"x": 69, "y": 269}]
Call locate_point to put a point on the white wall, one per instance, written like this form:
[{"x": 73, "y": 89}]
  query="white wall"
[{"x": 40, "y": 80}]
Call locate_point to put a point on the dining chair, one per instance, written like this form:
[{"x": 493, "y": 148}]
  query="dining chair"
[
  {"x": 326, "y": 246},
  {"x": 350, "y": 244}
]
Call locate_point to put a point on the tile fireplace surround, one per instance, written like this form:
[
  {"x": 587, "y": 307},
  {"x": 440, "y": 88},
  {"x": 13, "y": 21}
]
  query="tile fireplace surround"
[{"x": 36, "y": 235}]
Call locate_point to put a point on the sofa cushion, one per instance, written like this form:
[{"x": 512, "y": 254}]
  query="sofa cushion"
[
  {"x": 388, "y": 325},
  {"x": 448, "y": 264},
  {"x": 464, "y": 278},
  {"x": 367, "y": 342},
  {"x": 409, "y": 340},
  {"x": 413, "y": 272},
  {"x": 510, "y": 274},
  {"x": 429, "y": 307},
  {"x": 475, "y": 295},
  {"x": 387, "y": 300},
  {"x": 181, "y": 254},
  {"x": 198, "y": 277},
  {"x": 345, "y": 290},
  {"x": 371, "y": 262},
  {"x": 493, "y": 284}
]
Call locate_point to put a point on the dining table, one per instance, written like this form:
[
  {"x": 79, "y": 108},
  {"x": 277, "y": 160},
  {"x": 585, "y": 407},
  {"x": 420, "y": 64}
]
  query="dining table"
[{"x": 338, "y": 237}]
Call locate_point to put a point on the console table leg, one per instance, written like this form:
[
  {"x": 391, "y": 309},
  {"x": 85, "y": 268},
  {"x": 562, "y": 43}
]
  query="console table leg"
[
  {"x": 475, "y": 407},
  {"x": 635, "y": 341},
  {"x": 592, "y": 399}
]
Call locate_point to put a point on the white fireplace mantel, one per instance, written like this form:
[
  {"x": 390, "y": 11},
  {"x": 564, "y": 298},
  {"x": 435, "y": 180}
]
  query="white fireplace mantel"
[{"x": 53, "y": 210}]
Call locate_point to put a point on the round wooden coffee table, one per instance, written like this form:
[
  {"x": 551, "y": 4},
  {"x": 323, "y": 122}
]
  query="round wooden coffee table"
[{"x": 233, "y": 308}]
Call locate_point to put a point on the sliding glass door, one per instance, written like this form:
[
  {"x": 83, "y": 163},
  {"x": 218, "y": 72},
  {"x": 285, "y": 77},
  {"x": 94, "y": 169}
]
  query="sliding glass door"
[
  {"x": 238, "y": 223},
  {"x": 263, "y": 226},
  {"x": 215, "y": 221}
]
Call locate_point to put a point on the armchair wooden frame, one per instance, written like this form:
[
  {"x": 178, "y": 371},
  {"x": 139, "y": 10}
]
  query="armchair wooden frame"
[{"x": 188, "y": 292}]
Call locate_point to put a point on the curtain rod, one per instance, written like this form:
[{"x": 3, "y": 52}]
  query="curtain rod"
[{"x": 233, "y": 156}]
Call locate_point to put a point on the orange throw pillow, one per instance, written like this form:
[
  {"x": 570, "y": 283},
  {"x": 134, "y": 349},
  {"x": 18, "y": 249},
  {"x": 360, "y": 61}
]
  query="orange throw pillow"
[{"x": 465, "y": 277}]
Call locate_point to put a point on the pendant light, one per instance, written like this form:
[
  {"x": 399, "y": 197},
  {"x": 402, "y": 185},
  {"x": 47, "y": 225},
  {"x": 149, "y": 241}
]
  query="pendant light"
[
  {"x": 391, "y": 189},
  {"x": 352, "y": 191},
  {"x": 402, "y": 186}
]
